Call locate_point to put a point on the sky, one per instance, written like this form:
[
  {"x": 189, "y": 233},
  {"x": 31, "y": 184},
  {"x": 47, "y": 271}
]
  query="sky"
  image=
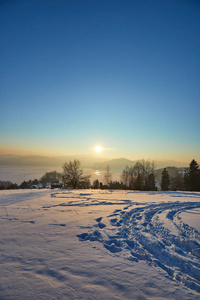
[{"x": 121, "y": 74}]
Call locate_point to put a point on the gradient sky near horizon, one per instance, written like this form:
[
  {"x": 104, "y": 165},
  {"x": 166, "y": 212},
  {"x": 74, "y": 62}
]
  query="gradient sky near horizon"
[{"x": 122, "y": 74}]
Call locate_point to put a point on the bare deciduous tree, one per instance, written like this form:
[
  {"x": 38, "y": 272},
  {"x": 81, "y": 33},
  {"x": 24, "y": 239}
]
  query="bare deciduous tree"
[
  {"x": 73, "y": 175},
  {"x": 108, "y": 176},
  {"x": 140, "y": 176},
  {"x": 143, "y": 167},
  {"x": 127, "y": 177}
]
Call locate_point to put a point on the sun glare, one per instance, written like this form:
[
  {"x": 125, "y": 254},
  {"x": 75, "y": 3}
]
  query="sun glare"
[{"x": 98, "y": 149}]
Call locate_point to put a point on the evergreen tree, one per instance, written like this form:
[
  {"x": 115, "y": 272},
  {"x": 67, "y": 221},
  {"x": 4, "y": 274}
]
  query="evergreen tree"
[
  {"x": 14, "y": 186},
  {"x": 150, "y": 183},
  {"x": 35, "y": 181},
  {"x": 194, "y": 176},
  {"x": 165, "y": 180},
  {"x": 96, "y": 184},
  {"x": 25, "y": 184},
  {"x": 139, "y": 182}
]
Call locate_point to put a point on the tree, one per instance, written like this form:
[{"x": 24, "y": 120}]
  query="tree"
[
  {"x": 25, "y": 184},
  {"x": 165, "y": 181},
  {"x": 51, "y": 177},
  {"x": 143, "y": 167},
  {"x": 177, "y": 182},
  {"x": 14, "y": 186},
  {"x": 116, "y": 185},
  {"x": 8, "y": 185},
  {"x": 108, "y": 176},
  {"x": 73, "y": 175},
  {"x": 96, "y": 184},
  {"x": 150, "y": 183},
  {"x": 139, "y": 182},
  {"x": 139, "y": 176},
  {"x": 127, "y": 178},
  {"x": 194, "y": 176},
  {"x": 142, "y": 170},
  {"x": 35, "y": 182}
]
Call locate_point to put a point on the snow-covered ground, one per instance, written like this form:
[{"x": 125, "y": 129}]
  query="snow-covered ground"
[{"x": 91, "y": 244}]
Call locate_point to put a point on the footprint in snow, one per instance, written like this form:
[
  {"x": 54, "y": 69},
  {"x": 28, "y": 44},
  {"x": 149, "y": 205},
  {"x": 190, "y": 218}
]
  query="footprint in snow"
[
  {"x": 101, "y": 225},
  {"x": 99, "y": 219},
  {"x": 94, "y": 236},
  {"x": 113, "y": 245},
  {"x": 31, "y": 222},
  {"x": 58, "y": 224}
]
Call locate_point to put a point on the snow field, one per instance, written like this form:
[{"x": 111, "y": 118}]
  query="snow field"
[{"x": 87, "y": 244}]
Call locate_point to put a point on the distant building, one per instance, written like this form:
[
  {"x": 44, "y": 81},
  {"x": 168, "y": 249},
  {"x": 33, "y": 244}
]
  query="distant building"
[
  {"x": 40, "y": 186},
  {"x": 33, "y": 187}
]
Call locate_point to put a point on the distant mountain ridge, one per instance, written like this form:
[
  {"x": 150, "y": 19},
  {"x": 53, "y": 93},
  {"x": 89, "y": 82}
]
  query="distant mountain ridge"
[
  {"x": 27, "y": 160},
  {"x": 114, "y": 164},
  {"x": 121, "y": 163},
  {"x": 87, "y": 161}
]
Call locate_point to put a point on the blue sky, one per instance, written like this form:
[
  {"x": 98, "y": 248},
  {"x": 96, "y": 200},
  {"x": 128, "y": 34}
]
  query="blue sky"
[{"x": 121, "y": 74}]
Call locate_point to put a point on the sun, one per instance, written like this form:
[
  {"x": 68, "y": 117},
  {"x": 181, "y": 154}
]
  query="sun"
[{"x": 98, "y": 149}]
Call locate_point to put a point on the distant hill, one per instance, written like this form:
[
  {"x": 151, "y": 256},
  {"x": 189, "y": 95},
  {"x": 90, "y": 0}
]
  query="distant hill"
[
  {"x": 87, "y": 161},
  {"x": 29, "y": 160},
  {"x": 170, "y": 163},
  {"x": 121, "y": 163},
  {"x": 173, "y": 171},
  {"x": 114, "y": 164}
]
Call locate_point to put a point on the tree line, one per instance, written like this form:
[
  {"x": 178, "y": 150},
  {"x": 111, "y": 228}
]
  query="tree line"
[
  {"x": 188, "y": 180},
  {"x": 141, "y": 177}
]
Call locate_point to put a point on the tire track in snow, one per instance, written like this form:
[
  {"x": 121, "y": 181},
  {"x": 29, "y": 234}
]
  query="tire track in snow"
[{"x": 140, "y": 234}]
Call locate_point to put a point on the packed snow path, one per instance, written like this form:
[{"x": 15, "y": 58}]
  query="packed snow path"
[
  {"x": 141, "y": 234},
  {"x": 154, "y": 233}
]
